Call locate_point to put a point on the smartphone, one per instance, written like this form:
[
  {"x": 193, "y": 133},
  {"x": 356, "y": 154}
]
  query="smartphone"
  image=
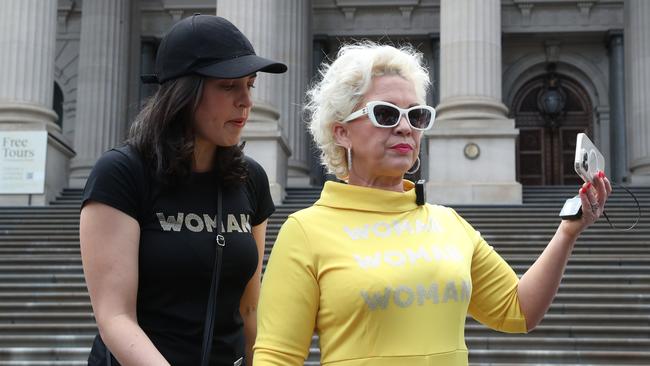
[{"x": 588, "y": 160}]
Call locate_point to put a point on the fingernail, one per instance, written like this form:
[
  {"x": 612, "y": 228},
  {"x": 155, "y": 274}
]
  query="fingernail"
[
  {"x": 601, "y": 174},
  {"x": 588, "y": 185},
  {"x": 583, "y": 190}
]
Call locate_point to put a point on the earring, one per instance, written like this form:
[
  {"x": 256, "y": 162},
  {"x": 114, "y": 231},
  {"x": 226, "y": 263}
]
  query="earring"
[
  {"x": 417, "y": 166},
  {"x": 349, "y": 159}
]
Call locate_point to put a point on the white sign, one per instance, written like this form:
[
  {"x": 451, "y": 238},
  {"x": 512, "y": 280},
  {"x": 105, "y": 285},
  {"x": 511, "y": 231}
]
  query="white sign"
[{"x": 22, "y": 161}]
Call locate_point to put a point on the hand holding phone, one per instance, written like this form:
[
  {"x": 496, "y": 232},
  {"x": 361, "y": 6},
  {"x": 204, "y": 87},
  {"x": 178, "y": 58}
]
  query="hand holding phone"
[
  {"x": 588, "y": 160},
  {"x": 587, "y": 163}
]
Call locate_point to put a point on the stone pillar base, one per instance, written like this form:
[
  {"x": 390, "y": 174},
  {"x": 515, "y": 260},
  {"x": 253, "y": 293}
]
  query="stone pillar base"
[
  {"x": 78, "y": 178},
  {"x": 472, "y": 162},
  {"x": 473, "y": 193},
  {"x": 639, "y": 180},
  {"x": 298, "y": 174},
  {"x": 266, "y": 144},
  {"x": 80, "y": 171},
  {"x": 27, "y": 117},
  {"x": 640, "y": 175}
]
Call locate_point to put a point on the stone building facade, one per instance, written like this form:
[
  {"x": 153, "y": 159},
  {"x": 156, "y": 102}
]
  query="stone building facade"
[{"x": 513, "y": 82}]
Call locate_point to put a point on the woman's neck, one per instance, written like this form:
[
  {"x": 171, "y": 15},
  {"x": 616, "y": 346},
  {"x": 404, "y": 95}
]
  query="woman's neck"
[
  {"x": 203, "y": 156},
  {"x": 386, "y": 183}
]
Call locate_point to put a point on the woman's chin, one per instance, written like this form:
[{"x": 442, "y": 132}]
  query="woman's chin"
[{"x": 230, "y": 141}]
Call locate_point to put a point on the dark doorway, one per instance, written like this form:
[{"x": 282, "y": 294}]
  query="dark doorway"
[
  {"x": 57, "y": 104},
  {"x": 546, "y": 144}
]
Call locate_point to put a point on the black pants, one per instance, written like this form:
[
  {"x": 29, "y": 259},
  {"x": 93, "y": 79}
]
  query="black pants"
[{"x": 100, "y": 355}]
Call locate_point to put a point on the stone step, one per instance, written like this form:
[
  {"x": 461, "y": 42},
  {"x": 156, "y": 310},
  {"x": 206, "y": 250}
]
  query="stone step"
[
  {"x": 38, "y": 259},
  {"x": 31, "y": 296},
  {"x": 47, "y": 318},
  {"x": 42, "y": 287},
  {"x": 36, "y": 211},
  {"x": 40, "y": 354},
  {"x": 569, "y": 320},
  {"x": 83, "y": 362},
  {"x": 575, "y": 331},
  {"x": 52, "y": 268},
  {"x": 46, "y": 307},
  {"x": 62, "y": 237},
  {"x": 591, "y": 269},
  {"x": 36, "y": 232},
  {"x": 46, "y": 340},
  {"x": 529, "y": 341},
  {"x": 40, "y": 251},
  {"x": 30, "y": 242},
  {"x": 55, "y": 219},
  {"x": 561, "y": 357},
  {"x": 74, "y": 329},
  {"x": 41, "y": 278}
]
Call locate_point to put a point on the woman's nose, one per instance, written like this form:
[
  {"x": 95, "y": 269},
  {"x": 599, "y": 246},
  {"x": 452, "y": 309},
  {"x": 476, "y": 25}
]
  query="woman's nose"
[
  {"x": 403, "y": 125},
  {"x": 246, "y": 99}
]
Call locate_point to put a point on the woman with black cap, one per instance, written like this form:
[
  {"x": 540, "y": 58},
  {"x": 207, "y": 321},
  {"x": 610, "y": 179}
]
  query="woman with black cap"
[{"x": 173, "y": 223}]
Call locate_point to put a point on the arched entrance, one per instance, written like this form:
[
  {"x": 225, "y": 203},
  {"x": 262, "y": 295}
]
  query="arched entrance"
[{"x": 546, "y": 144}]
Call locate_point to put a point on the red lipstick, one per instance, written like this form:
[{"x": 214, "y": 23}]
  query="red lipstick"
[{"x": 402, "y": 148}]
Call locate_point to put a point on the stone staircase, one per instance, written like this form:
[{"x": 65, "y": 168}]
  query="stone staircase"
[{"x": 601, "y": 315}]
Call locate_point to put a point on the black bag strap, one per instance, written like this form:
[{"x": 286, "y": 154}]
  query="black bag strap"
[{"x": 208, "y": 328}]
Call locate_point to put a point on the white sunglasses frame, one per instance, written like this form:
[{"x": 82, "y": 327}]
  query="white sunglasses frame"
[{"x": 402, "y": 112}]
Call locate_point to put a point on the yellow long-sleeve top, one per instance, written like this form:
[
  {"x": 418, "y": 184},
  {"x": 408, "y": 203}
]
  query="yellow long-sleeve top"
[{"x": 382, "y": 281}]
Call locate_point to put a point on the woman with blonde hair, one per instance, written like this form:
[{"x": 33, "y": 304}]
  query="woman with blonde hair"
[{"x": 382, "y": 279}]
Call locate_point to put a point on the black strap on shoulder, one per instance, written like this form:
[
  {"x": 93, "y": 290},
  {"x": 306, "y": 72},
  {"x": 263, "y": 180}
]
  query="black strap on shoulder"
[{"x": 214, "y": 287}]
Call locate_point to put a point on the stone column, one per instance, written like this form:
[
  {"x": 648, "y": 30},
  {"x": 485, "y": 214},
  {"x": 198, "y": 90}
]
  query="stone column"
[
  {"x": 472, "y": 144},
  {"x": 432, "y": 99},
  {"x": 27, "y": 44},
  {"x": 147, "y": 62},
  {"x": 434, "y": 70},
  {"x": 317, "y": 171},
  {"x": 295, "y": 46},
  {"x": 618, "y": 160},
  {"x": 102, "y": 86},
  {"x": 278, "y": 29},
  {"x": 637, "y": 93}
]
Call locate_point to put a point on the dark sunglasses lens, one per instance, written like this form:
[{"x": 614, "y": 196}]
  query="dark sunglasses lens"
[
  {"x": 420, "y": 117},
  {"x": 386, "y": 115}
]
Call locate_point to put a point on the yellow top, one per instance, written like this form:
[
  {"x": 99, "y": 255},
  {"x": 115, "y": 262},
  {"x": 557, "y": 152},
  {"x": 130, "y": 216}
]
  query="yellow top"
[{"x": 382, "y": 281}]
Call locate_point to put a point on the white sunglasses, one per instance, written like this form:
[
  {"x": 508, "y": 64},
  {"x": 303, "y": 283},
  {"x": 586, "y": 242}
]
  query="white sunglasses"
[{"x": 387, "y": 115}]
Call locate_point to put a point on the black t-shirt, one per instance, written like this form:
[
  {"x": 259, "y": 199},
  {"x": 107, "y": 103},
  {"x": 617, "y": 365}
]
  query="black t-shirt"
[{"x": 177, "y": 251}]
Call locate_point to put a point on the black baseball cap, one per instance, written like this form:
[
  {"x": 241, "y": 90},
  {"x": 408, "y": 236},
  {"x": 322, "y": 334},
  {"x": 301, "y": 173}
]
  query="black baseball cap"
[{"x": 210, "y": 46}]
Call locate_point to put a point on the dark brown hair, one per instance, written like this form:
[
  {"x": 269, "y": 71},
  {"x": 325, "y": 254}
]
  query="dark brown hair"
[{"x": 163, "y": 134}]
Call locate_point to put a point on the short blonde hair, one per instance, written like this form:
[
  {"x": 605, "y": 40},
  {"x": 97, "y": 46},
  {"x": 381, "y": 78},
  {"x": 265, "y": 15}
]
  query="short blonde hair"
[{"x": 343, "y": 84}]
